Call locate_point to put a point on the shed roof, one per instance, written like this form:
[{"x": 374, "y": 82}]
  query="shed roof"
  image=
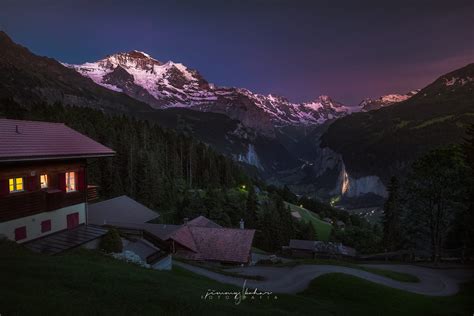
[
  {"x": 202, "y": 221},
  {"x": 34, "y": 140},
  {"x": 121, "y": 209}
]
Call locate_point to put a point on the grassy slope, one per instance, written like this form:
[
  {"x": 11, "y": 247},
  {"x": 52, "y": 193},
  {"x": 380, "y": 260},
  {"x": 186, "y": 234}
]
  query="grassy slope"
[
  {"x": 322, "y": 228},
  {"x": 85, "y": 282},
  {"x": 362, "y": 297}
]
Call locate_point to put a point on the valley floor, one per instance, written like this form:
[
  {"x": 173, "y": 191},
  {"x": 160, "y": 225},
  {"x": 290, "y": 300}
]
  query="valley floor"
[{"x": 86, "y": 282}]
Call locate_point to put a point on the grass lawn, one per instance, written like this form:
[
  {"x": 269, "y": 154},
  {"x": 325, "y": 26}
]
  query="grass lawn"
[
  {"x": 361, "y": 297},
  {"x": 89, "y": 283},
  {"x": 399, "y": 276},
  {"x": 322, "y": 228}
]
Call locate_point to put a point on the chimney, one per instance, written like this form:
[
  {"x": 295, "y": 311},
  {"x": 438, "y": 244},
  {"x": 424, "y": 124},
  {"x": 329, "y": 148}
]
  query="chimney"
[
  {"x": 17, "y": 129},
  {"x": 185, "y": 220},
  {"x": 242, "y": 223}
]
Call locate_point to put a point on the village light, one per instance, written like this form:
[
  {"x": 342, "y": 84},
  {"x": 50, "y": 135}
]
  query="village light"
[{"x": 243, "y": 186}]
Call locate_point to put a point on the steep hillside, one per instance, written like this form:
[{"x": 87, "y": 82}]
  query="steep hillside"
[
  {"x": 29, "y": 79},
  {"x": 228, "y": 136},
  {"x": 385, "y": 141}
]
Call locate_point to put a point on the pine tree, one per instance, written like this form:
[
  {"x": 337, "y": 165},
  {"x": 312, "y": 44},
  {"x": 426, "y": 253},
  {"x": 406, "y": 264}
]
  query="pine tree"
[
  {"x": 391, "y": 217},
  {"x": 251, "y": 208},
  {"x": 467, "y": 217},
  {"x": 434, "y": 195},
  {"x": 312, "y": 233}
]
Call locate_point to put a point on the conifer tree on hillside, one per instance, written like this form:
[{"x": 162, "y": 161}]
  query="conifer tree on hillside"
[
  {"x": 251, "y": 208},
  {"x": 467, "y": 219},
  {"x": 391, "y": 217},
  {"x": 435, "y": 194}
]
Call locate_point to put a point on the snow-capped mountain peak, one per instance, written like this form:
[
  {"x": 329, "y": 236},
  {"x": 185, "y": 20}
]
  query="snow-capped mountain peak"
[
  {"x": 145, "y": 78},
  {"x": 171, "y": 84}
]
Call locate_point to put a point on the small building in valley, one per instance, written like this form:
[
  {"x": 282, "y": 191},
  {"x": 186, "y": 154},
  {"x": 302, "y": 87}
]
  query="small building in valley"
[
  {"x": 43, "y": 182},
  {"x": 319, "y": 249}
]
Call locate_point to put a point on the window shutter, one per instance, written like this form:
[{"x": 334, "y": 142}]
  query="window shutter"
[
  {"x": 46, "y": 226},
  {"x": 81, "y": 180},
  {"x": 4, "y": 187},
  {"x": 62, "y": 182},
  {"x": 20, "y": 233}
]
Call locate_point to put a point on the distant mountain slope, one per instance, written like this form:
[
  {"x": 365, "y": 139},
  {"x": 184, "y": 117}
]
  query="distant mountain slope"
[
  {"x": 384, "y": 101},
  {"x": 385, "y": 141},
  {"x": 30, "y": 79},
  {"x": 228, "y": 136},
  {"x": 170, "y": 84}
]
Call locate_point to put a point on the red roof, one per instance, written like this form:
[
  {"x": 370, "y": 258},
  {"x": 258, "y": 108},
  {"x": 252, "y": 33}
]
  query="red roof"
[
  {"x": 184, "y": 237},
  {"x": 213, "y": 243},
  {"x": 32, "y": 140},
  {"x": 202, "y": 221}
]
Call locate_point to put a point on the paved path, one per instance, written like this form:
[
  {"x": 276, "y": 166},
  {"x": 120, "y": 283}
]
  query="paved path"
[{"x": 434, "y": 282}]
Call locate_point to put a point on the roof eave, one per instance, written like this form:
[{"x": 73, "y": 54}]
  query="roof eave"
[{"x": 41, "y": 158}]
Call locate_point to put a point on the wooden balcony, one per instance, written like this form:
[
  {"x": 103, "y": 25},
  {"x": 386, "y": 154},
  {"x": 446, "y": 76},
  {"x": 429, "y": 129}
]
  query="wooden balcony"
[{"x": 24, "y": 204}]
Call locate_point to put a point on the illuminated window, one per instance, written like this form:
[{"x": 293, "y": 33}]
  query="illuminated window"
[
  {"x": 44, "y": 181},
  {"x": 16, "y": 184},
  {"x": 70, "y": 181}
]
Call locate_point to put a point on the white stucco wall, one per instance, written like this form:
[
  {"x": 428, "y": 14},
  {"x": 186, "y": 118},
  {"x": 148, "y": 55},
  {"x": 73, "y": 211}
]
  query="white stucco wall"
[{"x": 33, "y": 223}]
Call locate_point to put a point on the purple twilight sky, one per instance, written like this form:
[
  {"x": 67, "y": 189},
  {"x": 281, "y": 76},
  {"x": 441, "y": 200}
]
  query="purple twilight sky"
[{"x": 299, "y": 49}]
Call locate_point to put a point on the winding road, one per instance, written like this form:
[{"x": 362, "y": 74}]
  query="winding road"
[{"x": 433, "y": 282}]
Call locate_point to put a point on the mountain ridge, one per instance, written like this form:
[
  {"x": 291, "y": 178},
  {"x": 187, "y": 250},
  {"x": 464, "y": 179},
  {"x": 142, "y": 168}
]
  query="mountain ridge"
[
  {"x": 170, "y": 84},
  {"x": 385, "y": 141},
  {"x": 30, "y": 78}
]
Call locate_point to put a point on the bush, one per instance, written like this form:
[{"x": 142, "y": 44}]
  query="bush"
[
  {"x": 111, "y": 242},
  {"x": 265, "y": 262}
]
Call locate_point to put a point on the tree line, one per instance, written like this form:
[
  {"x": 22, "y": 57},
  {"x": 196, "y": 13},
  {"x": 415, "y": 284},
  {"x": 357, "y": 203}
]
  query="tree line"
[
  {"x": 152, "y": 165},
  {"x": 431, "y": 210}
]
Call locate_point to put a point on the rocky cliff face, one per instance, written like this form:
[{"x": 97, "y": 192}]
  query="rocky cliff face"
[
  {"x": 251, "y": 157},
  {"x": 326, "y": 176},
  {"x": 348, "y": 186}
]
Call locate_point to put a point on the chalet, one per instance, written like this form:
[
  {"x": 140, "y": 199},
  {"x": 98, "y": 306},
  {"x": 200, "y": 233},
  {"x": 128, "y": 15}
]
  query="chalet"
[{"x": 43, "y": 181}]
